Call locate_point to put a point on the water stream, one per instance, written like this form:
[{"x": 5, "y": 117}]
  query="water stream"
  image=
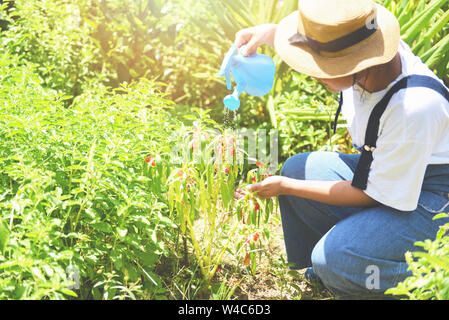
[{"x": 230, "y": 119}]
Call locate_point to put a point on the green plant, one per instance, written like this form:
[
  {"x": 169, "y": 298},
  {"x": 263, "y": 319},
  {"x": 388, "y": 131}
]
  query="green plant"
[
  {"x": 201, "y": 196},
  {"x": 131, "y": 36},
  {"x": 51, "y": 35},
  {"x": 424, "y": 26},
  {"x": 75, "y": 190},
  {"x": 286, "y": 278},
  {"x": 221, "y": 291},
  {"x": 305, "y": 112},
  {"x": 79, "y": 45}
]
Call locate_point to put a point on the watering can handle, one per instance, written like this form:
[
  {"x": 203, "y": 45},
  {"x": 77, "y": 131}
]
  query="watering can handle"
[{"x": 225, "y": 69}]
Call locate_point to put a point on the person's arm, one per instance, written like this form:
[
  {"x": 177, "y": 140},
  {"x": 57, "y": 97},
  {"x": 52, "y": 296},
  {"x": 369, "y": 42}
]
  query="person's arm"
[{"x": 339, "y": 193}]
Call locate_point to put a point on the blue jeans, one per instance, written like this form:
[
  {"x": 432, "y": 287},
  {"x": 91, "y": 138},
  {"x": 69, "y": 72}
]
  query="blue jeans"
[{"x": 358, "y": 252}]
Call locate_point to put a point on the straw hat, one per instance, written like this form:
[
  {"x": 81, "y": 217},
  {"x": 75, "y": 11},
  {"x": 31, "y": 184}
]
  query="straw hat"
[{"x": 336, "y": 38}]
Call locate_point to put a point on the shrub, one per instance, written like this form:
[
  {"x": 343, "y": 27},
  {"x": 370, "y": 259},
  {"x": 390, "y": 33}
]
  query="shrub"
[
  {"x": 51, "y": 35},
  {"x": 74, "y": 189}
]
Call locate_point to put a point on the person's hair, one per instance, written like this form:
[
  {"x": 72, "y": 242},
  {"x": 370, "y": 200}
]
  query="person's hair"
[{"x": 359, "y": 74}]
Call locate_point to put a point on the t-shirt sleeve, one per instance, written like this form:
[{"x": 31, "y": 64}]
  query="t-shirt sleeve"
[{"x": 409, "y": 128}]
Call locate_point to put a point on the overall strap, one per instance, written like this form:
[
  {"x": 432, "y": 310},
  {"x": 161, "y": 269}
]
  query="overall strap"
[{"x": 360, "y": 180}]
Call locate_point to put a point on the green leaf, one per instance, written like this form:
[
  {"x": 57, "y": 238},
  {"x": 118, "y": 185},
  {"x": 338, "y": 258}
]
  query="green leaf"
[
  {"x": 68, "y": 292},
  {"x": 148, "y": 258},
  {"x": 271, "y": 111},
  {"x": 439, "y": 53},
  {"x": 37, "y": 272},
  {"x": 102, "y": 226},
  {"x": 117, "y": 259},
  {"x": 440, "y": 215},
  {"x": 4, "y": 237},
  {"x": 166, "y": 220},
  {"x": 436, "y": 261},
  {"x": 122, "y": 232},
  {"x": 415, "y": 26},
  {"x": 430, "y": 34}
]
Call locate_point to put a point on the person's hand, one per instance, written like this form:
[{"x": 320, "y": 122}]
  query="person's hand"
[
  {"x": 268, "y": 188},
  {"x": 254, "y": 37},
  {"x": 240, "y": 193}
]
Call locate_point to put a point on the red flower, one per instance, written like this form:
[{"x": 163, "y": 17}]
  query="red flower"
[
  {"x": 253, "y": 180},
  {"x": 259, "y": 164},
  {"x": 230, "y": 140},
  {"x": 195, "y": 141},
  {"x": 256, "y": 206},
  {"x": 226, "y": 170},
  {"x": 150, "y": 161},
  {"x": 229, "y": 146},
  {"x": 266, "y": 176},
  {"x": 255, "y": 237}
]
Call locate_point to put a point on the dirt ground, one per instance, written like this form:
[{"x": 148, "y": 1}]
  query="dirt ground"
[{"x": 273, "y": 279}]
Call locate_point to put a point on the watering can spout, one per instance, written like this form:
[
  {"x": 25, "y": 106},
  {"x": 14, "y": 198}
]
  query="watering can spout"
[
  {"x": 232, "y": 101},
  {"x": 253, "y": 75}
]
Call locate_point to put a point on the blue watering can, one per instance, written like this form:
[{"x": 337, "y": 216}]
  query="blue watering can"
[{"x": 253, "y": 75}]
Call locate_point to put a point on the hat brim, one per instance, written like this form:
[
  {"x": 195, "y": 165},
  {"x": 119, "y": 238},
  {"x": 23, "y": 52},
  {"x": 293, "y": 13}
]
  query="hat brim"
[{"x": 379, "y": 48}]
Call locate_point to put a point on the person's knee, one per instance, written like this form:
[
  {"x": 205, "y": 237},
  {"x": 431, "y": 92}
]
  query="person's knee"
[
  {"x": 316, "y": 166},
  {"x": 294, "y": 167},
  {"x": 346, "y": 269},
  {"x": 324, "y": 165}
]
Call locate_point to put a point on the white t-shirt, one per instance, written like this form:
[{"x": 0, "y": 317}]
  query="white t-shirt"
[{"x": 413, "y": 132}]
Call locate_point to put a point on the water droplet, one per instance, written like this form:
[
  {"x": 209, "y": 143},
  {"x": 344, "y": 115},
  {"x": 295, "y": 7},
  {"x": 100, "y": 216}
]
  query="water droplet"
[{"x": 230, "y": 119}]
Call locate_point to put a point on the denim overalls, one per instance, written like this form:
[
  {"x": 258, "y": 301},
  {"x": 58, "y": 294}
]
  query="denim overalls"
[{"x": 358, "y": 252}]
